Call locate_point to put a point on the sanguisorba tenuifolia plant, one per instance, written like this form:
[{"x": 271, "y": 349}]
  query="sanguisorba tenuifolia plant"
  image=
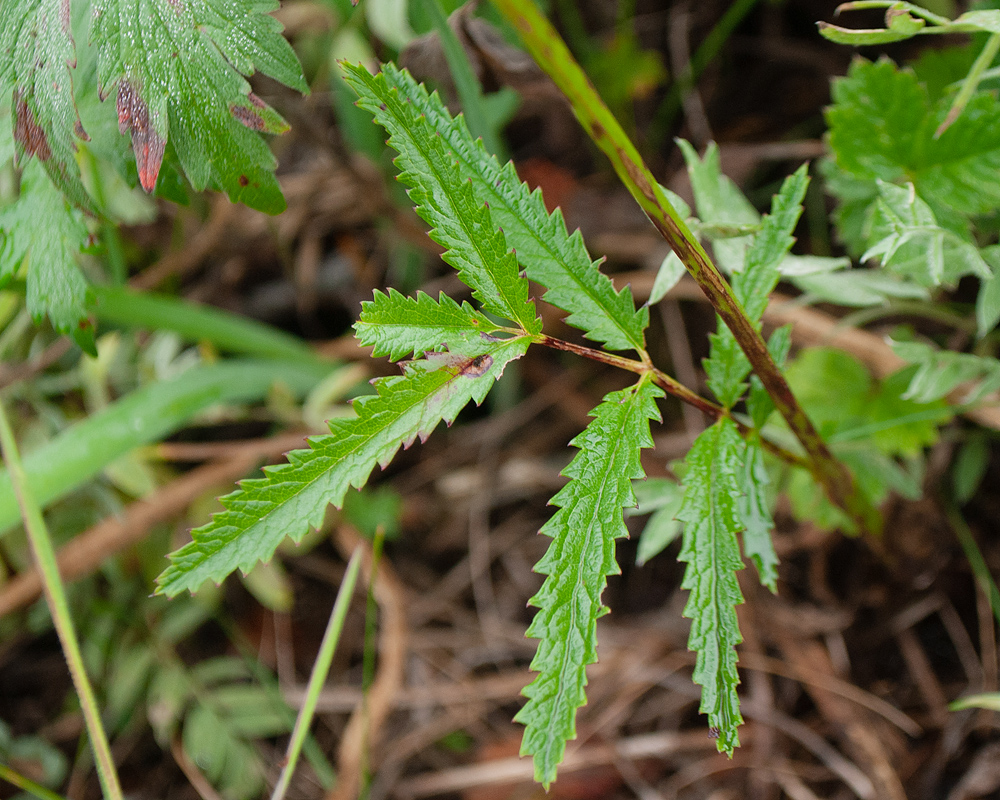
[
  {"x": 176, "y": 73},
  {"x": 498, "y": 235}
]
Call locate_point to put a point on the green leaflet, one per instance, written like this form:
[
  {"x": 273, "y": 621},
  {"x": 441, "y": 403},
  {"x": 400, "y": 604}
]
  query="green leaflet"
[
  {"x": 711, "y": 520},
  {"x": 552, "y": 257},
  {"x": 444, "y": 199},
  {"x": 294, "y": 496},
  {"x": 41, "y": 229},
  {"x": 755, "y": 513},
  {"x": 882, "y": 125},
  {"x": 36, "y": 52},
  {"x": 397, "y": 326},
  {"x": 581, "y": 555},
  {"x": 727, "y": 366},
  {"x": 178, "y": 71}
]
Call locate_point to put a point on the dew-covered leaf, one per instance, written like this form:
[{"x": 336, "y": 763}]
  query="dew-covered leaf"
[
  {"x": 459, "y": 221},
  {"x": 41, "y": 230},
  {"x": 548, "y": 254},
  {"x": 177, "y": 70},
  {"x": 397, "y": 326},
  {"x": 293, "y": 497},
  {"x": 577, "y": 563},
  {"x": 36, "y": 53},
  {"x": 712, "y": 520}
]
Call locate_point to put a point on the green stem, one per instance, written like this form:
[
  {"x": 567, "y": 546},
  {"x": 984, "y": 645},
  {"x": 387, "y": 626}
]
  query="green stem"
[
  {"x": 975, "y": 558},
  {"x": 368, "y": 662},
  {"x": 320, "y": 671},
  {"x": 971, "y": 82},
  {"x": 548, "y": 49},
  {"x": 55, "y": 595}
]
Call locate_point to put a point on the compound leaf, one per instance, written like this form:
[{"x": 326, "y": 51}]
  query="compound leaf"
[
  {"x": 397, "y": 326},
  {"x": 294, "y": 496},
  {"x": 546, "y": 251},
  {"x": 36, "y": 53},
  {"x": 40, "y": 229},
  {"x": 178, "y": 68},
  {"x": 460, "y": 222},
  {"x": 710, "y": 548},
  {"x": 581, "y": 555}
]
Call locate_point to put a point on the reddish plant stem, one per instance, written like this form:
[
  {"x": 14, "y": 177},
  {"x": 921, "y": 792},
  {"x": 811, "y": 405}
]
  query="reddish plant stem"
[
  {"x": 672, "y": 387},
  {"x": 551, "y": 53}
]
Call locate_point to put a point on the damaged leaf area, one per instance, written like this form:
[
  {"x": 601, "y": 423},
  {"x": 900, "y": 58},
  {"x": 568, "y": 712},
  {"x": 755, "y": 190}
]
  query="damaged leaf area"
[
  {"x": 292, "y": 497},
  {"x": 42, "y": 232},
  {"x": 178, "y": 69},
  {"x": 36, "y": 54}
]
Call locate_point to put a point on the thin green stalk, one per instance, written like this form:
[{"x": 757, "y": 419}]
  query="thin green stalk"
[
  {"x": 27, "y": 785},
  {"x": 548, "y": 49},
  {"x": 971, "y": 82},
  {"x": 975, "y": 557},
  {"x": 368, "y": 666},
  {"x": 55, "y": 595},
  {"x": 321, "y": 669},
  {"x": 469, "y": 91}
]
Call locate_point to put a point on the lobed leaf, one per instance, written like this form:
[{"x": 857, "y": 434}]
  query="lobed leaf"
[
  {"x": 883, "y": 125},
  {"x": 459, "y": 221},
  {"x": 293, "y": 497},
  {"x": 178, "y": 71},
  {"x": 397, "y": 326},
  {"x": 549, "y": 255},
  {"x": 711, "y": 520},
  {"x": 36, "y": 54},
  {"x": 41, "y": 230},
  {"x": 581, "y": 555}
]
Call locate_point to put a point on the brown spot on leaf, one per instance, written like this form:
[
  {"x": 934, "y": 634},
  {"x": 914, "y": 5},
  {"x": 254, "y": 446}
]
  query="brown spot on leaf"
[
  {"x": 256, "y": 100},
  {"x": 27, "y": 132},
  {"x": 148, "y": 145},
  {"x": 244, "y": 180},
  {"x": 477, "y": 367},
  {"x": 248, "y": 117}
]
